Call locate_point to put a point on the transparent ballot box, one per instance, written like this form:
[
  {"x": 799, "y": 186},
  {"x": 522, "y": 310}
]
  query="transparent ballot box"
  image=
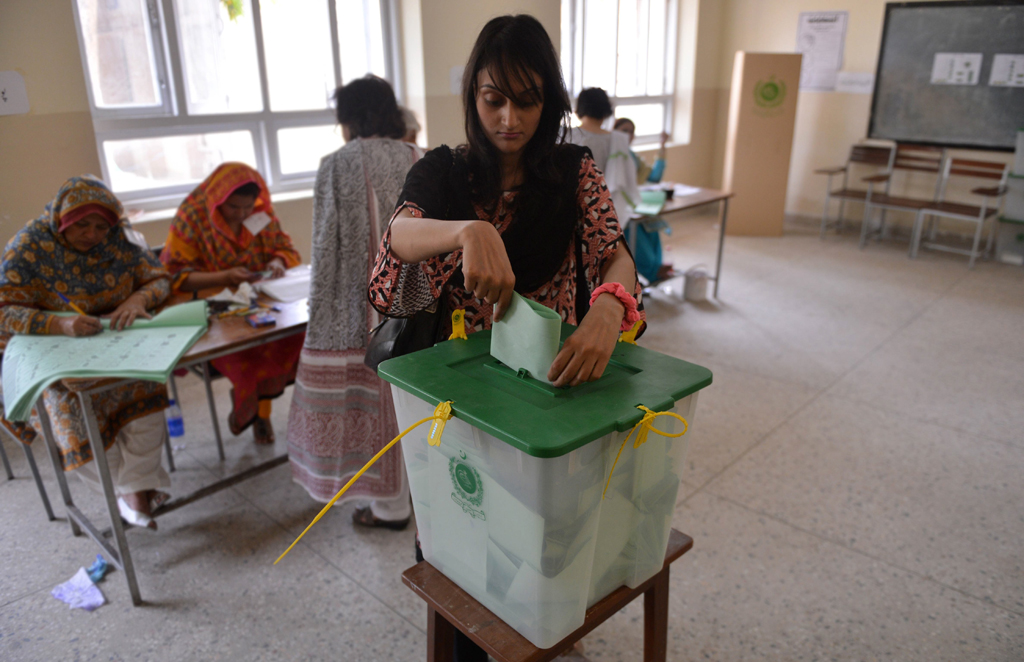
[{"x": 509, "y": 505}]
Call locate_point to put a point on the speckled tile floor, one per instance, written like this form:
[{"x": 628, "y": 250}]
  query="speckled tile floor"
[{"x": 853, "y": 487}]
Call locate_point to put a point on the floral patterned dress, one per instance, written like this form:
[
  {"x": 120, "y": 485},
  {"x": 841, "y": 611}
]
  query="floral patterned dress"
[
  {"x": 200, "y": 240},
  {"x": 401, "y": 289},
  {"x": 38, "y": 262}
]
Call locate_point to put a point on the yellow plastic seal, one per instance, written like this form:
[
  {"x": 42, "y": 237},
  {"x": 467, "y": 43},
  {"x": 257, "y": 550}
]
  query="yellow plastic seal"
[
  {"x": 630, "y": 336},
  {"x": 458, "y": 325},
  {"x": 642, "y": 428},
  {"x": 442, "y": 413}
]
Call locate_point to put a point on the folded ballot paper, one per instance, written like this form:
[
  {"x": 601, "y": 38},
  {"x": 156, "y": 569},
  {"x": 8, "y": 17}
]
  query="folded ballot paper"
[
  {"x": 148, "y": 349},
  {"x": 527, "y": 337}
]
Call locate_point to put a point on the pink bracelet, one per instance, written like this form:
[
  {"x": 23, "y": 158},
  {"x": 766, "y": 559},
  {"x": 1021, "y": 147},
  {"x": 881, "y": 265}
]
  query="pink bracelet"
[{"x": 619, "y": 292}]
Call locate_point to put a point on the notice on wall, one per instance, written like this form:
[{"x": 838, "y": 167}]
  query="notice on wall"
[
  {"x": 1007, "y": 71},
  {"x": 956, "y": 68},
  {"x": 821, "y": 38},
  {"x": 855, "y": 82},
  {"x": 13, "y": 96}
]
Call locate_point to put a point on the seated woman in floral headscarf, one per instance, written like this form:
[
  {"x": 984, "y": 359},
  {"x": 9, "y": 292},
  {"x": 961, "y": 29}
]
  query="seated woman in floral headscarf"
[
  {"x": 78, "y": 248},
  {"x": 225, "y": 233}
]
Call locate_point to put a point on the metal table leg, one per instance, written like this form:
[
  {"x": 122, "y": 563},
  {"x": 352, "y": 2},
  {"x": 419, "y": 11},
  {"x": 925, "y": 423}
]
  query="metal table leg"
[
  {"x": 39, "y": 481},
  {"x": 124, "y": 559},
  {"x": 724, "y": 215},
  {"x": 7, "y": 463},
  {"x": 213, "y": 409},
  {"x": 58, "y": 468},
  {"x": 167, "y": 440}
]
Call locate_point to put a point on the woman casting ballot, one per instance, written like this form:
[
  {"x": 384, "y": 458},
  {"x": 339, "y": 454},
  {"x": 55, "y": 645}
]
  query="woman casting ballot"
[{"x": 515, "y": 209}]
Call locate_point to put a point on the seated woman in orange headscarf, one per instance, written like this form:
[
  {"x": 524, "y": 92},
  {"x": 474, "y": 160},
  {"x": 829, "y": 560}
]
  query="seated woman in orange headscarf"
[{"x": 225, "y": 233}]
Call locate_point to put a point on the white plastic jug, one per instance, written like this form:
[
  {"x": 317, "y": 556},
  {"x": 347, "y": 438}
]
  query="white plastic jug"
[{"x": 695, "y": 287}]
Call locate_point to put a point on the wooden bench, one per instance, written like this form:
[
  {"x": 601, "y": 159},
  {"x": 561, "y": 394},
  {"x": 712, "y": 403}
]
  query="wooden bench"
[{"x": 449, "y": 608}]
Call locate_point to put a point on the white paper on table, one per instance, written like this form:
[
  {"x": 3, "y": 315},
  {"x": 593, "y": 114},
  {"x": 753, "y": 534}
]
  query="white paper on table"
[
  {"x": 1007, "y": 70},
  {"x": 527, "y": 337},
  {"x": 956, "y": 68},
  {"x": 257, "y": 222},
  {"x": 682, "y": 189},
  {"x": 293, "y": 286},
  {"x": 821, "y": 38}
]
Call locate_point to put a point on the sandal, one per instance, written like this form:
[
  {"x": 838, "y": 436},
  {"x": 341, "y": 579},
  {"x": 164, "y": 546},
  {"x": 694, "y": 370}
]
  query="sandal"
[
  {"x": 157, "y": 499},
  {"x": 134, "y": 517},
  {"x": 365, "y": 517},
  {"x": 263, "y": 431}
]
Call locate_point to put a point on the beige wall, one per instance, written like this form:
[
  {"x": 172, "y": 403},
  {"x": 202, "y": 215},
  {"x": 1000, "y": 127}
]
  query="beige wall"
[
  {"x": 449, "y": 30},
  {"x": 55, "y": 139}
]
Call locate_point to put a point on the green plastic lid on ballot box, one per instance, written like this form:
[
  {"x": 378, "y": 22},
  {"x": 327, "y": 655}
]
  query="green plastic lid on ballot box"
[{"x": 534, "y": 416}]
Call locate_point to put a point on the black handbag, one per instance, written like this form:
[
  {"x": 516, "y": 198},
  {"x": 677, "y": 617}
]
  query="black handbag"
[{"x": 398, "y": 336}]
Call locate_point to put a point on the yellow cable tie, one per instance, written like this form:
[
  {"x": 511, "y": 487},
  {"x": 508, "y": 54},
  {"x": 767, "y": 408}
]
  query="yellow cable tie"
[
  {"x": 441, "y": 415},
  {"x": 458, "y": 324},
  {"x": 630, "y": 335},
  {"x": 643, "y": 426},
  {"x": 369, "y": 464}
]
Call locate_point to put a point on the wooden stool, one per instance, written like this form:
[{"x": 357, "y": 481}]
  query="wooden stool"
[{"x": 450, "y": 608}]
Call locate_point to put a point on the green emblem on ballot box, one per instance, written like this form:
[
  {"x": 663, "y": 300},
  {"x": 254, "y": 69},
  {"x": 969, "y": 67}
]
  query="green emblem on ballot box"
[{"x": 469, "y": 490}]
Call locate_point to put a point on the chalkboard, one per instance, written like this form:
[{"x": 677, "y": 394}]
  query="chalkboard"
[{"x": 936, "y": 67}]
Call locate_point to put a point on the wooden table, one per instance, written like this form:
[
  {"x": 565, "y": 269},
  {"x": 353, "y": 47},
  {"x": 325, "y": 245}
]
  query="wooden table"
[
  {"x": 449, "y": 608},
  {"x": 704, "y": 196},
  {"x": 224, "y": 336}
]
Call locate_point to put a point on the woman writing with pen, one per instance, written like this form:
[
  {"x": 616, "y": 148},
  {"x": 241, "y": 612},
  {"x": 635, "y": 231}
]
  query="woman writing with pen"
[
  {"x": 77, "y": 257},
  {"x": 226, "y": 233}
]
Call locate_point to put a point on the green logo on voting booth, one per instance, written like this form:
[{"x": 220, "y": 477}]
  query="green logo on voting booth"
[
  {"x": 769, "y": 93},
  {"x": 469, "y": 490}
]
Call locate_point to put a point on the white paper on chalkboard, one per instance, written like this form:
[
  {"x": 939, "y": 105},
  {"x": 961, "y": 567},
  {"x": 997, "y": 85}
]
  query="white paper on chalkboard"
[
  {"x": 820, "y": 38},
  {"x": 1007, "y": 71},
  {"x": 13, "y": 96},
  {"x": 956, "y": 68}
]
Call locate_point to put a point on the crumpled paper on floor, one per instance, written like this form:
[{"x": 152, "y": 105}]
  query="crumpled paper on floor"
[{"x": 80, "y": 592}]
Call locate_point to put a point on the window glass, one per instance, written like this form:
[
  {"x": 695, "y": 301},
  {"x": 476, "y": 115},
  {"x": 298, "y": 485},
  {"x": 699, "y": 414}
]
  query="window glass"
[
  {"x": 301, "y": 148},
  {"x": 297, "y": 44},
  {"x": 119, "y": 52},
  {"x": 599, "y": 25},
  {"x": 219, "y": 57},
  {"x": 147, "y": 163},
  {"x": 360, "y": 39},
  {"x": 649, "y": 118}
]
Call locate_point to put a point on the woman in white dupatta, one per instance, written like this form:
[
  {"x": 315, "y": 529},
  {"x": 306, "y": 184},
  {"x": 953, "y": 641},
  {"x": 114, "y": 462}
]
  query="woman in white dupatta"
[{"x": 342, "y": 413}]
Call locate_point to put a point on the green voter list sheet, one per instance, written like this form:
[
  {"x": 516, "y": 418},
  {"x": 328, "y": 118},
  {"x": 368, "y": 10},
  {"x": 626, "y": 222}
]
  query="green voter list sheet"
[{"x": 149, "y": 350}]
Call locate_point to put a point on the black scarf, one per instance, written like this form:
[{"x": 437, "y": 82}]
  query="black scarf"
[{"x": 544, "y": 216}]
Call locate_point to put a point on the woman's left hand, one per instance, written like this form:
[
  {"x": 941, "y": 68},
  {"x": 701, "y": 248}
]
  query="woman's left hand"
[
  {"x": 586, "y": 352},
  {"x": 125, "y": 314},
  {"x": 276, "y": 268}
]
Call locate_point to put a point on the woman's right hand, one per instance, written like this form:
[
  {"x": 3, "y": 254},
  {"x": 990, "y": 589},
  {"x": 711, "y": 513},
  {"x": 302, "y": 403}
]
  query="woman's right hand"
[
  {"x": 238, "y": 275},
  {"x": 485, "y": 265},
  {"x": 80, "y": 325}
]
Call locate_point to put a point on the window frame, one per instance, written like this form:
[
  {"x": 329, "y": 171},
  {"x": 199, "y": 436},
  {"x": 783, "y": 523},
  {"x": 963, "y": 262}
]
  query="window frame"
[
  {"x": 171, "y": 118},
  {"x": 573, "y": 45}
]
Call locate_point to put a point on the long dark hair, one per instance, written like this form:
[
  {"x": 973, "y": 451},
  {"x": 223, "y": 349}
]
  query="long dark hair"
[
  {"x": 510, "y": 48},
  {"x": 368, "y": 108}
]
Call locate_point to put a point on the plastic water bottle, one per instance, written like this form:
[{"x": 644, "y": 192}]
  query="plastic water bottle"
[{"x": 175, "y": 425}]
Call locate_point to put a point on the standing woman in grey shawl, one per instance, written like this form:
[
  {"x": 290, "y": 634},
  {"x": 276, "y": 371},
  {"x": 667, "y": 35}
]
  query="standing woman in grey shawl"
[{"x": 342, "y": 413}]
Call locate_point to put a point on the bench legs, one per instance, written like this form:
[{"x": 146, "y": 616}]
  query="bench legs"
[
  {"x": 441, "y": 633},
  {"x": 656, "y": 619},
  {"x": 440, "y": 637}
]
